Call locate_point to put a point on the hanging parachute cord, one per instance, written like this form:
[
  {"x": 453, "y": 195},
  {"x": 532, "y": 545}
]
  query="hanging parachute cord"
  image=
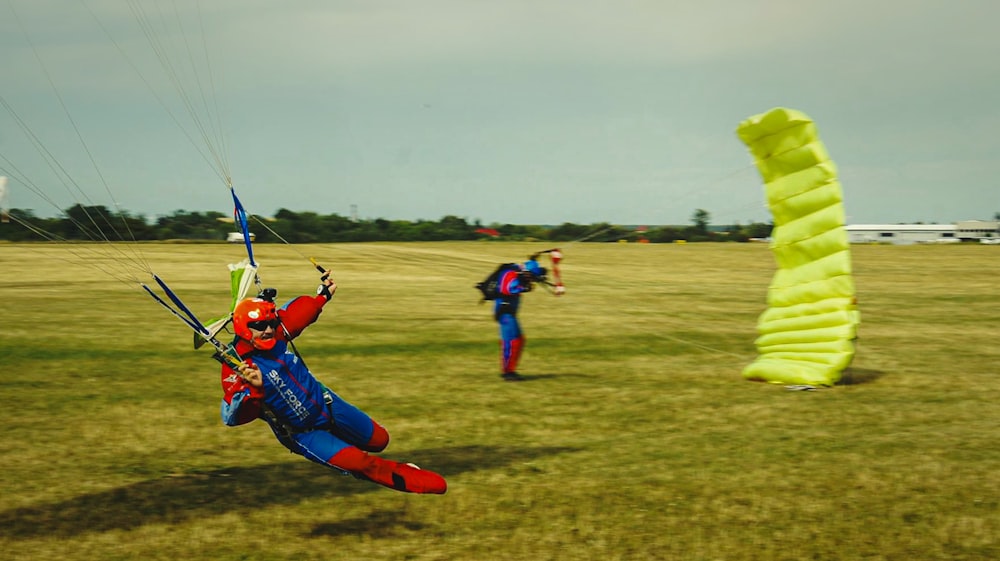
[
  {"x": 712, "y": 184},
  {"x": 224, "y": 354},
  {"x": 702, "y": 184},
  {"x": 589, "y": 236},
  {"x": 212, "y": 146},
  {"x": 219, "y": 166},
  {"x": 700, "y": 346},
  {"x": 291, "y": 344},
  {"x": 122, "y": 262},
  {"x": 82, "y": 253},
  {"x": 60, "y": 172},
  {"x": 191, "y": 321},
  {"x": 289, "y": 244},
  {"x": 89, "y": 228}
]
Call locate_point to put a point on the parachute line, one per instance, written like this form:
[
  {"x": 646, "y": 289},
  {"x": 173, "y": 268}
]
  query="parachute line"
[
  {"x": 211, "y": 147},
  {"x": 195, "y": 326},
  {"x": 192, "y": 78},
  {"x": 194, "y": 323}
]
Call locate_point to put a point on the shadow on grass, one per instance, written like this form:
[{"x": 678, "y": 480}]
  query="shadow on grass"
[
  {"x": 175, "y": 499},
  {"x": 855, "y": 376},
  {"x": 378, "y": 524},
  {"x": 529, "y": 377}
]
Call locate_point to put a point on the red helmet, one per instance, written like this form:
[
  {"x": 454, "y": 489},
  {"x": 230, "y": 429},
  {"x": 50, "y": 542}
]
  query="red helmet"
[{"x": 250, "y": 311}]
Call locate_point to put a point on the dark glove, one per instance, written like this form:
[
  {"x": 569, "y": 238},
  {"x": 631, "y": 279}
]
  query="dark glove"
[{"x": 324, "y": 291}]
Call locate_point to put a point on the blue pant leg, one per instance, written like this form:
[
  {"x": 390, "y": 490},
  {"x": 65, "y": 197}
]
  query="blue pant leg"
[
  {"x": 319, "y": 446},
  {"x": 510, "y": 329},
  {"x": 350, "y": 423}
]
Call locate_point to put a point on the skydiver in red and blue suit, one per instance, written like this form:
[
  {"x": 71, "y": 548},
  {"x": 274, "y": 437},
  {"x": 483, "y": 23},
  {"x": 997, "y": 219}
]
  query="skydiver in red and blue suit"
[
  {"x": 274, "y": 384},
  {"x": 511, "y": 284}
]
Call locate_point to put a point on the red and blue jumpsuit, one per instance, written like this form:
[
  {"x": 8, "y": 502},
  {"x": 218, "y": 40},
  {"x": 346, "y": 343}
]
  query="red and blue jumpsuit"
[
  {"x": 307, "y": 417},
  {"x": 505, "y": 309}
]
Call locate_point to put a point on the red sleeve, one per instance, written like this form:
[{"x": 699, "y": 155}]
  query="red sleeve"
[
  {"x": 300, "y": 313},
  {"x": 241, "y": 402}
]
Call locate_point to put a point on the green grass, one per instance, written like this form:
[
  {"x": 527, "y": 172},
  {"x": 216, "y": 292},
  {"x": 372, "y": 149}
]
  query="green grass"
[{"x": 636, "y": 437}]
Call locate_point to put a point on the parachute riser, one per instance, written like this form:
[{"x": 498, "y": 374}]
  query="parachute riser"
[{"x": 224, "y": 354}]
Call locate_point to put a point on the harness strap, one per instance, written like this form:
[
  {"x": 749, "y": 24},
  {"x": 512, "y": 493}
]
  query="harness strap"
[{"x": 287, "y": 431}]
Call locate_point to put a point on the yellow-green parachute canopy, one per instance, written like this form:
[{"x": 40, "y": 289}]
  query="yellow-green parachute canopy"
[{"x": 806, "y": 336}]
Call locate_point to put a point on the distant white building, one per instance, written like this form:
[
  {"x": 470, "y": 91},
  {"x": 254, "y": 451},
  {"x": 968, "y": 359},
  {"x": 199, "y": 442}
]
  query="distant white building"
[
  {"x": 900, "y": 233},
  {"x": 237, "y": 237},
  {"x": 978, "y": 229},
  {"x": 968, "y": 230}
]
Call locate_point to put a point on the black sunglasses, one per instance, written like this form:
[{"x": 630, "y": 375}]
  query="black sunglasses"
[{"x": 262, "y": 325}]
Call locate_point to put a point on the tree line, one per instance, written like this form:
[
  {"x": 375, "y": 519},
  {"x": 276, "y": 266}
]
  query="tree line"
[{"x": 98, "y": 223}]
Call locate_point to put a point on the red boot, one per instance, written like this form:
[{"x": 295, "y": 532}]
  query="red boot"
[
  {"x": 412, "y": 479},
  {"x": 510, "y": 354},
  {"x": 394, "y": 475}
]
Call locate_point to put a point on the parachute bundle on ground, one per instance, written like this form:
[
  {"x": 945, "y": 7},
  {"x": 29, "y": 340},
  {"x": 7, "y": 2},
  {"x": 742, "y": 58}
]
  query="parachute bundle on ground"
[{"x": 806, "y": 336}]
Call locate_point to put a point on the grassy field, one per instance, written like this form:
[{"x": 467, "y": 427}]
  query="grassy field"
[{"x": 635, "y": 437}]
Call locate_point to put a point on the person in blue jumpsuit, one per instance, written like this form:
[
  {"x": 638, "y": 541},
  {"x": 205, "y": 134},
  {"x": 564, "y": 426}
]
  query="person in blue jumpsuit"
[
  {"x": 511, "y": 284},
  {"x": 273, "y": 383}
]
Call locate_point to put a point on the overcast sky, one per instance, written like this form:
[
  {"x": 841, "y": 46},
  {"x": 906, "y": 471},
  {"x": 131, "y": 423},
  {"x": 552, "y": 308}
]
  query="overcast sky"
[{"x": 535, "y": 111}]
